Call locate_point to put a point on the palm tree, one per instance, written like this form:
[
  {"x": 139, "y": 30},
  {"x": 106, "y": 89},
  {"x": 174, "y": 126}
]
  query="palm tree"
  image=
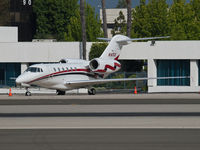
[
  {"x": 4, "y": 12},
  {"x": 83, "y": 27},
  {"x": 104, "y": 18},
  {"x": 128, "y": 18}
]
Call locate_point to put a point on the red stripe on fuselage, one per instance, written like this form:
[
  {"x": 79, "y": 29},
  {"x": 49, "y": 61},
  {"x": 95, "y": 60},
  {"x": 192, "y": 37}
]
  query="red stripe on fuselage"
[{"x": 60, "y": 72}]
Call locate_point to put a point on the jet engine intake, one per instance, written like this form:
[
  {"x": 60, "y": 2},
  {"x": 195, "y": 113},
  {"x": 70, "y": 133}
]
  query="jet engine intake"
[{"x": 104, "y": 65}]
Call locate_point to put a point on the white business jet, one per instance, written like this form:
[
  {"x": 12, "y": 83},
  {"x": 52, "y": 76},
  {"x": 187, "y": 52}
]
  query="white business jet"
[{"x": 76, "y": 73}]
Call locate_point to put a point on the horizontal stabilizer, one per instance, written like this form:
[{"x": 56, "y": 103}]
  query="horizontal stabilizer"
[{"x": 141, "y": 39}]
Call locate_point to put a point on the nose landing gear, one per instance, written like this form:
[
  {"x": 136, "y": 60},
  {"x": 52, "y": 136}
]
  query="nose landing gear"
[
  {"x": 58, "y": 92},
  {"x": 28, "y": 93}
]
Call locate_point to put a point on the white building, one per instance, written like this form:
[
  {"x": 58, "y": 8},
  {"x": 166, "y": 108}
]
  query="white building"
[
  {"x": 168, "y": 58},
  {"x": 165, "y": 58},
  {"x": 111, "y": 15}
]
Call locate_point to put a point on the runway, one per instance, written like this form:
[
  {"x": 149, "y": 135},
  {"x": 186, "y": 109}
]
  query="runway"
[
  {"x": 100, "y": 139},
  {"x": 102, "y": 122}
]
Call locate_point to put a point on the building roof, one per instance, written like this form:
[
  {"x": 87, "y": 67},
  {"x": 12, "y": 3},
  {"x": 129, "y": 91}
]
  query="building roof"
[{"x": 162, "y": 50}]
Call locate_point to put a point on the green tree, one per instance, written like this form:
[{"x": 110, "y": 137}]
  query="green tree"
[
  {"x": 121, "y": 4},
  {"x": 183, "y": 22},
  {"x": 97, "y": 49},
  {"x": 158, "y": 17},
  {"x": 140, "y": 25},
  {"x": 119, "y": 25},
  {"x": 60, "y": 19},
  {"x": 4, "y": 12},
  {"x": 150, "y": 19},
  {"x": 196, "y": 7},
  {"x": 73, "y": 32},
  {"x": 53, "y": 17},
  {"x": 93, "y": 26}
]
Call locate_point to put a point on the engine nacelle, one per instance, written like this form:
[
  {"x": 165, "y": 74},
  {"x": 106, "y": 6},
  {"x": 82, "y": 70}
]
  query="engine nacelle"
[
  {"x": 72, "y": 61},
  {"x": 104, "y": 66}
]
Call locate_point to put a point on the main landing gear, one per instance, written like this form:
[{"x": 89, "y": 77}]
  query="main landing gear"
[
  {"x": 91, "y": 91},
  {"x": 59, "y": 92},
  {"x": 28, "y": 93}
]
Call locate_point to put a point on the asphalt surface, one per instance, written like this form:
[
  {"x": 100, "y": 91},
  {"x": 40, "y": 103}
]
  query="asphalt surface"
[
  {"x": 111, "y": 121},
  {"x": 100, "y": 139},
  {"x": 101, "y": 99},
  {"x": 99, "y": 110},
  {"x": 155, "y": 122}
]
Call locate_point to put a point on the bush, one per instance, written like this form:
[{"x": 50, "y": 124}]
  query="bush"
[{"x": 97, "y": 49}]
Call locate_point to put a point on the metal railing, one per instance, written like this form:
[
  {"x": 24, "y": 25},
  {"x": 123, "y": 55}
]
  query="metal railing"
[{"x": 125, "y": 85}]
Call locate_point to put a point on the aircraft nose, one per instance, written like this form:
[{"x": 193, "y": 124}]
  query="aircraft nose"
[{"x": 19, "y": 80}]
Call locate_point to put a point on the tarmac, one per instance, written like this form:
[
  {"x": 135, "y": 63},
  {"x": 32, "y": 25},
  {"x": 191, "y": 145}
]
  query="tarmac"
[
  {"x": 103, "y": 121},
  {"x": 157, "y": 96}
]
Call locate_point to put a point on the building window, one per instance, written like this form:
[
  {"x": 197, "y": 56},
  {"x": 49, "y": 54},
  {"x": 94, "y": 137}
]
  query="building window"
[
  {"x": 173, "y": 68},
  {"x": 199, "y": 70},
  {"x": 8, "y": 73}
]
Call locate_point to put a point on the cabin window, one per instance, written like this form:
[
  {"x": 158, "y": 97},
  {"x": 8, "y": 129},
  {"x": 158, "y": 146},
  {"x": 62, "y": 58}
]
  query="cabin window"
[
  {"x": 41, "y": 70},
  {"x": 75, "y": 69},
  {"x": 63, "y": 69},
  {"x": 71, "y": 68},
  {"x": 59, "y": 69},
  {"x": 54, "y": 69},
  {"x": 38, "y": 70}
]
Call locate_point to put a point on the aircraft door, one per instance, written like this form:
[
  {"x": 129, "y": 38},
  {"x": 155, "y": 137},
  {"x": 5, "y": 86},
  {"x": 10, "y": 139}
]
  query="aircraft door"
[{"x": 51, "y": 71}]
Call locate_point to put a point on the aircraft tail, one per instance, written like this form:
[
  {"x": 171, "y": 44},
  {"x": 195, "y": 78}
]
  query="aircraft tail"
[{"x": 113, "y": 49}]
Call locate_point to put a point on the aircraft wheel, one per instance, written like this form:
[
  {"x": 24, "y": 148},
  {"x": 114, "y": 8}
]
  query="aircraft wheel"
[
  {"x": 91, "y": 91},
  {"x": 28, "y": 93},
  {"x": 58, "y": 92}
]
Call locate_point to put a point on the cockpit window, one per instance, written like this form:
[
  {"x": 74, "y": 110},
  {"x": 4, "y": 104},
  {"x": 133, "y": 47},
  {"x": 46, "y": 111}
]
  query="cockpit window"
[
  {"x": 34, "y": 69},
  {"x": 37, "y": 69}
]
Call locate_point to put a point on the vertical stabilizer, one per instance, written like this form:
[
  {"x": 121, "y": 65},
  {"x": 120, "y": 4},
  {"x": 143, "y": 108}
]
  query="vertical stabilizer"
[{"x": 113, "y": 49}]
